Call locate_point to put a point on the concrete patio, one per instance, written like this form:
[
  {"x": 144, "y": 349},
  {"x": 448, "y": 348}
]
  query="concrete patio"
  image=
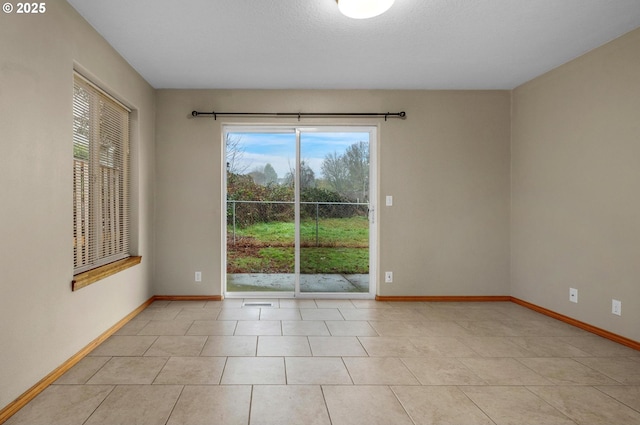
[{"x": 284, "y": 282}]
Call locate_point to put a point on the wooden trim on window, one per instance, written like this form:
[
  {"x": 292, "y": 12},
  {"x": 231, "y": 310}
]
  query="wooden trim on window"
[
  {"x": 31, "y": 393},
  {"x": 87, "y": 278}
]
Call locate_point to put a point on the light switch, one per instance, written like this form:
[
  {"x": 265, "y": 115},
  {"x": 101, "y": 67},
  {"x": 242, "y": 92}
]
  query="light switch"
[{"x": 389, "y": 200}]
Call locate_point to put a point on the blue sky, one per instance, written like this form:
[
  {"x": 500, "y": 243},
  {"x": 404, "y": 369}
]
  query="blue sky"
[{"x": 278, "y": 149}]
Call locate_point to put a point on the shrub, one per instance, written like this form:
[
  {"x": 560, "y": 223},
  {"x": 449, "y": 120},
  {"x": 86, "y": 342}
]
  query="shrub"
[{"x": 279, "y": 202}]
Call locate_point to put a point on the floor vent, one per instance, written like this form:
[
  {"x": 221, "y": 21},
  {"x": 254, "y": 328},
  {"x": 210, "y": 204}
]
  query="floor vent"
[{"x": 257, "y": 304}]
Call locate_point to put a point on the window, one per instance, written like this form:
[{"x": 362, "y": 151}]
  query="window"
[{"x": 100, "y": 178}]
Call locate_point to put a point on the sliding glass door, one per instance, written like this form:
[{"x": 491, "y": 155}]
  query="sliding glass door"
[
  {"x": 260, "y": 205},
  {"x": 300, "y": 206}
]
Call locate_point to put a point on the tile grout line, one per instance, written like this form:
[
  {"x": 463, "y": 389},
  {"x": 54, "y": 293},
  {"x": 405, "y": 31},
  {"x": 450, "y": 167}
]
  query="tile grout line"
[
  {"x": 612, "y": 397},
  {"x": 203, "y": 345},
  {"x": 348, "y": 371},
  {"x": 99, "y": 404},
  {"x": 475, "y": 404},
  {"x": 526, "y": 387},
  {"x": 175, "y": 404},
  {"x": 250, "y": 405},
  {"x": 577, "y": 360},
  {"x": 402, "y": 404},
  {"x": 224, "y": 368},
  {"x": 326, "y": 406}
]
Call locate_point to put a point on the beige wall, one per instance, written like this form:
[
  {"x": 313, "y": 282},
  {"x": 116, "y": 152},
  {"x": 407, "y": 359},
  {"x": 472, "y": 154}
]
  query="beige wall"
[
  {"x": 446, "y": 165},
  {"x": 42, "y": 323},
  {"x": 576, "y": 187}
]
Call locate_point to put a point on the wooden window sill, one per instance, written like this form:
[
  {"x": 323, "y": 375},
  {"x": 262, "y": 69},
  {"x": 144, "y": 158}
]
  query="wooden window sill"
[{"x": 87, "y": 278}]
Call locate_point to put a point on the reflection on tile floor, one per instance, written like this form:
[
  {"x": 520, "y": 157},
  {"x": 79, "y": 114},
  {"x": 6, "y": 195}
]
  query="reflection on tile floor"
[{"x": 344, "y": 362}]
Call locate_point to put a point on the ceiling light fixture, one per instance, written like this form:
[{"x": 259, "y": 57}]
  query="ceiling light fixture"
[{"x": 363, "y": 9}]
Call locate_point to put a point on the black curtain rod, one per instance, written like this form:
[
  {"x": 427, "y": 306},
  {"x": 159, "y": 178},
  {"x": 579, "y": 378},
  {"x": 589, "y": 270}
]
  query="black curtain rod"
[{"x": 386, "y": 115}]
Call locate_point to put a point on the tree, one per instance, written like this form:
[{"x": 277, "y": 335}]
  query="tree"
[
  {"x": 307, "y": 176},
  {"x": 270, "y": 175},
  {"x": 335, "y": 172},
  {"x": 348, "y": 174},
  {"x": 258, "y": 176},
  {"x": 264, "y": 176},
  {"x": 356, "y": 159},
  {"x": 235, "y": 154}
]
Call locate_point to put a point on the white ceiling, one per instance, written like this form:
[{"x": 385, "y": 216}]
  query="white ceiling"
[{"x": 308, "y": 44}]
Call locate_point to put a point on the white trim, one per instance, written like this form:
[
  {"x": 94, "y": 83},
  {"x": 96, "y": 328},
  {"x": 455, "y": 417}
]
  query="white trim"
[
  {"x": 223, "y": 211},
  {"x": 296, "y": 218},
  {"x": 373, "y": 130}
]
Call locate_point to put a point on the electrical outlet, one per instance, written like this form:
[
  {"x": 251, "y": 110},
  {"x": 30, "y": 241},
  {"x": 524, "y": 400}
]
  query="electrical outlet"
[
  {"x": 616, "y": 307},
  {"x": 388, "y": 277},
  {"x": 198, "y": 276},
  {"x": 573, "y": 295}
]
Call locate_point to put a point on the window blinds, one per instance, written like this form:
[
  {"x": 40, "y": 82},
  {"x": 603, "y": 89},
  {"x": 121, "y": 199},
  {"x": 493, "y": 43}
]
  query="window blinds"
[{"x": 100, "y": 177}]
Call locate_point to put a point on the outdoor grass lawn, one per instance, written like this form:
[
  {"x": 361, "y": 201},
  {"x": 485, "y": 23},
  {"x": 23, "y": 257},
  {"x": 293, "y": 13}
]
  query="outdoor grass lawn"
[{"x": 343, "y": 247}]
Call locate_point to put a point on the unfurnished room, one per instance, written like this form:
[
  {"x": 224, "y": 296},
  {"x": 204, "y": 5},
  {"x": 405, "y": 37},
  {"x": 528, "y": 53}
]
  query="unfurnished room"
[{"x": 331, "y": 212}]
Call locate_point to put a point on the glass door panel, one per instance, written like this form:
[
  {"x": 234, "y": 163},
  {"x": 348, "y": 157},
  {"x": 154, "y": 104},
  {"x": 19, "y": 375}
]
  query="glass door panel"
[
  {"x": 334, "y": 212},
  {"x": 260, "y": 211}
]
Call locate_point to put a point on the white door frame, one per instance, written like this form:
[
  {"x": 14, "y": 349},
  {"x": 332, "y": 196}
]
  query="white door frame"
[{"x": 372, "y": 129}]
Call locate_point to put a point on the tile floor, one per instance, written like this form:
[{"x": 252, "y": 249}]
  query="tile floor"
[{"x": 345, "y": 362}]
